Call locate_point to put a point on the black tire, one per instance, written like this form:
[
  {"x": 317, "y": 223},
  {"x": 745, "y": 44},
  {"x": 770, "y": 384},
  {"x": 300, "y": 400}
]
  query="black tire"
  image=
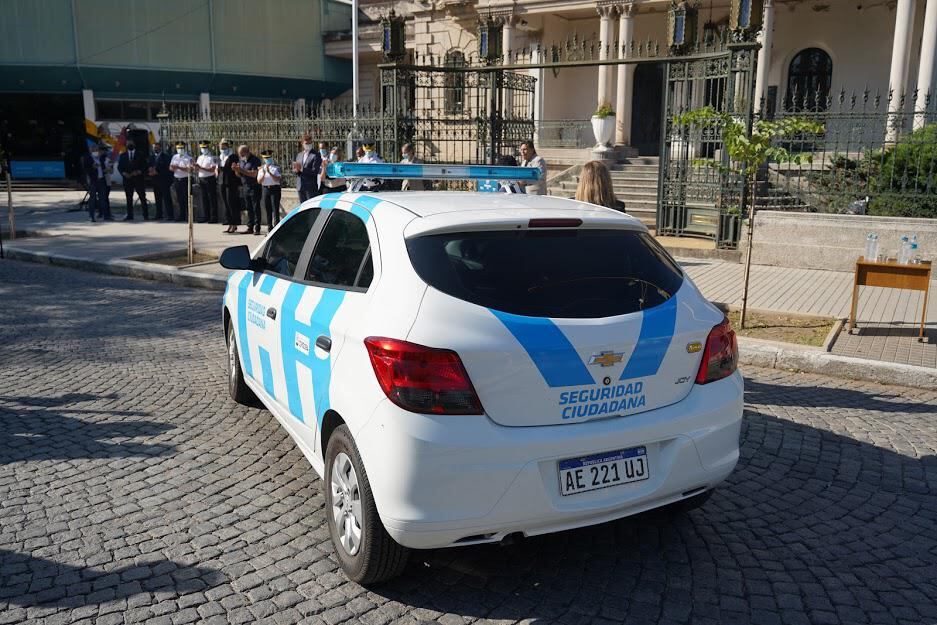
[
  {"x": 237, "y": 387},
  {"x": 378, "y": 557}
]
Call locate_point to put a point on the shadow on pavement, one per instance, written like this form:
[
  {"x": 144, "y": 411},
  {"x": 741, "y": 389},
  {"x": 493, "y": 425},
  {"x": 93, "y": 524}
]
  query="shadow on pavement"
[
  {"x": 30, "y": 434},
  {"x": 833, "y": 397},
  {"x": 32, "y": 581}
]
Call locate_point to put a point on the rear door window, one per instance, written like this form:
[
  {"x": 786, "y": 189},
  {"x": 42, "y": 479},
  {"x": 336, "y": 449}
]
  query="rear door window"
[{"x": 558, "y": 273}]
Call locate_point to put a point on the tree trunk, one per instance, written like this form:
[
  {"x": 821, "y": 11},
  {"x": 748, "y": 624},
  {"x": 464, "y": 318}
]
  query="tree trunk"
[{"x": 748, "y": 255}]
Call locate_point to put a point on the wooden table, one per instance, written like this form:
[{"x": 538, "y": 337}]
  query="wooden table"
[{"x": 890, "y": 274}]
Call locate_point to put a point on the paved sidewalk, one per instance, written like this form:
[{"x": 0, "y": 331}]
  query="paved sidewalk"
[{"x": 885, "y": 315}]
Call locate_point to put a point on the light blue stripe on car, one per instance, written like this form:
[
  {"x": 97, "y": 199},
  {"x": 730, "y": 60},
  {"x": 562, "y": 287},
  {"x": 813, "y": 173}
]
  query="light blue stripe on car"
[
  {"x": 267, "y": 284},
  {"x": 266, "y": 371},
  {"x": 549, "y": 349},
  {"x": 657, "y": 327},
  {"x": 243, "y": 345}
]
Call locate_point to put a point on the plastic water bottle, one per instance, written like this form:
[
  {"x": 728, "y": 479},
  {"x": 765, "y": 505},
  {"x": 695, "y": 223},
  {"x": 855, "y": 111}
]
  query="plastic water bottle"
[
  {"x": 913, "y": 254},
  {"x": 902, "y": 255},
  {"x": 874, "y": 250},
  {"x": 869, "y": 244}
]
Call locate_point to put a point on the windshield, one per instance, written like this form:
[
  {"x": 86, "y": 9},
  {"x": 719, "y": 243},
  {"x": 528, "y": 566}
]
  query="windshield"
[{"x": 556, "y": 273}]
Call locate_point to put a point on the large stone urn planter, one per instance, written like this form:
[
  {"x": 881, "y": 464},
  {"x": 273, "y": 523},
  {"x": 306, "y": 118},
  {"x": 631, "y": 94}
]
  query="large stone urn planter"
[{"x": 604, "y": 130}]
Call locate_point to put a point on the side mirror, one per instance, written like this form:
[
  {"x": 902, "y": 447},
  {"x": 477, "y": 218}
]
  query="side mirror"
[{"x": 238, "y": 257}]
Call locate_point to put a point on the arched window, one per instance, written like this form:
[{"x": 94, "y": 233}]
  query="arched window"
[
  {"x": 454, "y": 96},
  {"x": 808, "y": 81}
]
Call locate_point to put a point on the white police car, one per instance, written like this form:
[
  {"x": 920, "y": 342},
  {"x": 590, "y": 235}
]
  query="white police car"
[{"x": 461, "y": 368}]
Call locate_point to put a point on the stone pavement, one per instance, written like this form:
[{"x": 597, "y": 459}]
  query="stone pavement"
[
  {"x": 132, "y": 490},
  {"x": 883, "y": 313}
]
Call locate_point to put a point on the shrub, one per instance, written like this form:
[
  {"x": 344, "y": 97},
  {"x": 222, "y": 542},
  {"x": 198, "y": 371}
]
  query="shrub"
[
  {"x": 605, "y": 110},
  {"x": 905, "y": 183}
]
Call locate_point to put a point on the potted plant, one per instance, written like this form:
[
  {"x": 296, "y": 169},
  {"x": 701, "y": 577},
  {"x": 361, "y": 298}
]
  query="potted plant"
[{"x": 603, "y": 125}]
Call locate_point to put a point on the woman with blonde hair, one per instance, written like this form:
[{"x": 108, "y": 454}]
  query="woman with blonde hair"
[{"x": 595, "y": 186}]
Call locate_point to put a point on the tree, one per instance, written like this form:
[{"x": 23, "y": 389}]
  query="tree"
[{"x": 747, "y": 154}]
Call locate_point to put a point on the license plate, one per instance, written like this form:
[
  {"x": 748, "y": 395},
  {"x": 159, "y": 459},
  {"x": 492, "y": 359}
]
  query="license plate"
[{"x": 610, "y": 468}]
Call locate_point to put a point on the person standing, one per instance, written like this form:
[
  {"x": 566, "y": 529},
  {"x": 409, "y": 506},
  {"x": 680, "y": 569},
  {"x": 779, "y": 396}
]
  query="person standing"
[
  {"x": 371, "y": 156},
  {"x": 269, "y": 179},
  {"x": 162, "y": 182},
  {"x": 407, "y": 157},
  {"x": 332, "y": 185},
  {"x": 207, "y": 166},
  {"x": 132, "y": 164},
  {"x": 595, "y": 186},
  {"x": 530, "y": 158},
  {"x": 230, "y": 186},
  {"x": 181, "y": 165},
  {"x": 308, "y": 169},
  {"x": 509, "y": 186},
  {"x": 94, "y": 166},
  {"x": 246, "y": 168}
]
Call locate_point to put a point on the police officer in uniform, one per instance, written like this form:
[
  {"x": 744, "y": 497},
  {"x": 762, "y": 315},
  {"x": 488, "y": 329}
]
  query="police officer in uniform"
[
  {"x": 207, "y": 167},
  {"x": 181, "y": 165},
  {"x": 246, "y": 168},
  {"x": 371, "y": 156}
]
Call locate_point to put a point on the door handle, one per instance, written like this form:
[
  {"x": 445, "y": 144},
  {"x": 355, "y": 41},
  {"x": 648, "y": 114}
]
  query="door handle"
[
  {"x": 272, "y": 313},
  {"x": 324, "y": 343}
]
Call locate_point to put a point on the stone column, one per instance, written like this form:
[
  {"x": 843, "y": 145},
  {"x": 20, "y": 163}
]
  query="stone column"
[
  {"x": 605, "y": 43},
  {"x": 204, "y": 106},
  {"x": 625, "y": 87},
  {"x": 925, "y": 73},
  {"x": 87, "y": 101},
  {"x": 764, "y": 55},
  {"x": 900, "y": 49},
  {"x": 507, "y": 38}
]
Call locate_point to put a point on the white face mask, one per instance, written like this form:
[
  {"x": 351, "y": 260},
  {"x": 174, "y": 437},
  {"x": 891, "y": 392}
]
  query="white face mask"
[
  {"x": 180, "y": 151},
  {"x": 205, "y": 151},
  {"x": 225, "y": 151},
  {"x": 307, "y": 146},
  {"x": 95, "y": 153}
]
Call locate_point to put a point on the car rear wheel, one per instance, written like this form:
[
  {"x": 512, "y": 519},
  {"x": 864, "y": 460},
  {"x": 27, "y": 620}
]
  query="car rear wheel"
[
  {"x": 237, "y": 387},
  {"x": 365, "y": 551}
]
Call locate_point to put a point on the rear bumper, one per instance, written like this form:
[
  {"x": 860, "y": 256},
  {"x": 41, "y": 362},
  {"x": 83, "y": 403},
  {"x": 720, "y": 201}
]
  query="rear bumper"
[{"x": 442, "y": 481}]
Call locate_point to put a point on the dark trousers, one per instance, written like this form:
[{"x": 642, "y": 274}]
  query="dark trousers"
[
  {"x": 181, "y": 187},
  {"x": 100, "y": 201},
  {"x": 305, "y": 194},
  {"x": 250, "y": 193},
  {"x": 231, "y": 199},
  {"x": 270, "y": 198},
  {"x": 161, "y": 188},
  {"x": 135, "y": 185},
  {"x": 208, "y": 191}
]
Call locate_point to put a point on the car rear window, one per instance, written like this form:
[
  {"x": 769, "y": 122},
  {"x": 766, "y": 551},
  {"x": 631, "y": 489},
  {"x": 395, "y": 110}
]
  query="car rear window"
[{"x": 557, "y": 273}]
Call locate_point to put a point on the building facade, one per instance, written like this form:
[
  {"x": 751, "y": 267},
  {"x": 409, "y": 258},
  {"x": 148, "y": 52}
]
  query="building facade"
[
  {"x": 811, "y": 50},
  {"x": 70, "y": 68}
]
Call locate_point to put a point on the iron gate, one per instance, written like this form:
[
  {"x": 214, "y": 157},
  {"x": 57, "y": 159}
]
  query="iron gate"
[{"x": 693, "y": 198}]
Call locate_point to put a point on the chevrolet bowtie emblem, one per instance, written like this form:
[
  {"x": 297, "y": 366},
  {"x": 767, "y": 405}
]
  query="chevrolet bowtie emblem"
[{"x": 606, "y": 359}]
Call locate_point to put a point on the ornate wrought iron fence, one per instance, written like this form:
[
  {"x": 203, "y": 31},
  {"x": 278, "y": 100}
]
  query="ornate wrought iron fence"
[{"x": 883, "y": 148}]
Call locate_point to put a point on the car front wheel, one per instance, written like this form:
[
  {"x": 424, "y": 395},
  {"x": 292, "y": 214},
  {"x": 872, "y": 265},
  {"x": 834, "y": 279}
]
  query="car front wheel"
[
  {"x": 237, "y": 387},
  {"x": 365, "y": 551}
]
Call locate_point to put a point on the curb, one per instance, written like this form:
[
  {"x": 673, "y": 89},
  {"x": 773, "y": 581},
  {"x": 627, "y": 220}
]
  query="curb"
[
  {"x": 126, "y": 268},
  {"x": 758, "y": 353}
]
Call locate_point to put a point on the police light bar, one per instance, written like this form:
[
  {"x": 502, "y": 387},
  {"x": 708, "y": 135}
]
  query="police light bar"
[{"x": 431, "y": 172}]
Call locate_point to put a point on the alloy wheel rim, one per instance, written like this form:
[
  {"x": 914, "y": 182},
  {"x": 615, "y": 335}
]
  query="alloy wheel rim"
[
  {"x": 232, "y": 359},
  {"x": 346, "y": 503}
]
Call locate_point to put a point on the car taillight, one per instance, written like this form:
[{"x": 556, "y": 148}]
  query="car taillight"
[
  {"x": 422, "y": 379},
  {"x": 721, "y": 356}
]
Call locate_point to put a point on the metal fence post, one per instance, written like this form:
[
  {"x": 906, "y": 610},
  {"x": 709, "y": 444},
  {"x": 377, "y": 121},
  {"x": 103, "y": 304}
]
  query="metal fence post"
[{"x": 191, "y": 246}]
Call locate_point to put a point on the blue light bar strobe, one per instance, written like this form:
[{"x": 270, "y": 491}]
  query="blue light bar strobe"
[{"x": 431, "y": 172}]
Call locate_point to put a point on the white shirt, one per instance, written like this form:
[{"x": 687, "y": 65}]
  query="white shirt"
[
  {"x": 181, "y": 160},
  {"x": 370, "y": 157},
  {"x": 209, "y": 161},
  {"x": 536, "y": 188},
  {"x": 266, "y": 173}
]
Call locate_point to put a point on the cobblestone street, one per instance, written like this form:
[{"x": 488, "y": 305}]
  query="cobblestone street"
[{"x": 133, "y": 490}]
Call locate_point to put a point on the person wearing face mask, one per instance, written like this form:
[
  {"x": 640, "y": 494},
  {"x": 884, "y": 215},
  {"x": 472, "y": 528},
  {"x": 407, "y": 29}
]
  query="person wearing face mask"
[
  {"x": 332, "y": 185},
  {"x": 370, "y": 156},
  {"x": 180, "y": 165},
  {"x": 230, "y": 187},
  {"x": 162, "y": 181},
  {"x": 269, "y": 178},
  {"x": 246, "y": 168},
  {"x": 307, "y": 166},
  {"x": 407, "y": 157},
  {"x": 132, "y": 164},
  {"x": 94, "y": 167},
  {"x": 206, "y": 165}
]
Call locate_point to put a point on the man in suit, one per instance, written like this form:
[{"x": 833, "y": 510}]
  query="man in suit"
[
  {"x": 132, "y": 164},
  {"x": 162, "y": 182},
  {"x": 308, "y": 169},
  {"x": 94, "y": 167}
]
